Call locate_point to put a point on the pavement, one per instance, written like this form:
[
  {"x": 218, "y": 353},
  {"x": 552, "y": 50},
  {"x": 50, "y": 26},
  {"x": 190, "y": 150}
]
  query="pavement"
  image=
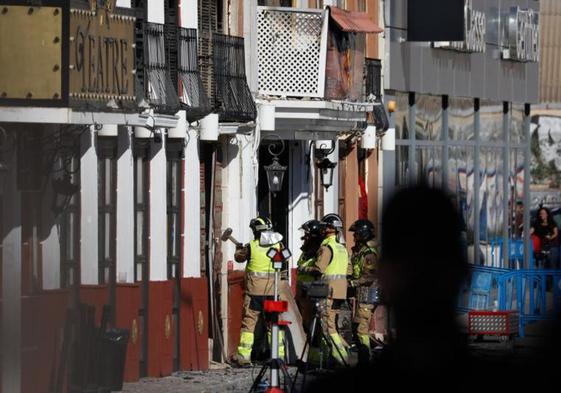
[
  {"x": 219, "y": 378},
  {"x": 223, "y": 378}
]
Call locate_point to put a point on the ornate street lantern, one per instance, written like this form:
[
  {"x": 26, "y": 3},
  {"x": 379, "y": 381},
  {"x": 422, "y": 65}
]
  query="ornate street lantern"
[
  {"x": 275, "y": 175},
  {"x": 322, "y": 151},
  {"x": 275, "y": 171},
  {"x": 326, "y": 171}
]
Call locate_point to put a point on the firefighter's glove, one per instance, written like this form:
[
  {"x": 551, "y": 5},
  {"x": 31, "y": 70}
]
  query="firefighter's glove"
[
  {"x": 353, "y": 283},
  {"x": 304, "y": 270}
]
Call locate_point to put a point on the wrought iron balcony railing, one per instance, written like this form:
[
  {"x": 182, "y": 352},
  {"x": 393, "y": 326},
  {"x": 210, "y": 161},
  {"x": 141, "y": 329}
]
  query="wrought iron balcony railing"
[
  {"x": 233, "y": 99},
  {"x": 158, "y": 87},
  {"x": 192, "y": 94}
]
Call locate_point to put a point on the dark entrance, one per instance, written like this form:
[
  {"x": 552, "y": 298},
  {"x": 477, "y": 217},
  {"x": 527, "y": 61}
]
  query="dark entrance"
[{"x": 269, "y": 205}]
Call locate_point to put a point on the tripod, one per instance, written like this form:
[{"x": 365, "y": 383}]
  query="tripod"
[
  {"x": 274, "y": 308},
  {"x": 310, "y": 340}
]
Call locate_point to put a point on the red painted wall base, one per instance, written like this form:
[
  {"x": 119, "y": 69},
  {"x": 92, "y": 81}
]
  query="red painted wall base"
[
  {"x": 160, "y": 324},
  {"x": 194, "y": 324}
]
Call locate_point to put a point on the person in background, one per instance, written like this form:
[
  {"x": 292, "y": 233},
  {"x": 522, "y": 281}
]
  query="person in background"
[{"x": 546, "y": 231}]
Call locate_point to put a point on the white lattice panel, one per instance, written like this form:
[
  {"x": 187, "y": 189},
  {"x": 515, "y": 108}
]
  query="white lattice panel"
[{"x": 291, "y": 50}]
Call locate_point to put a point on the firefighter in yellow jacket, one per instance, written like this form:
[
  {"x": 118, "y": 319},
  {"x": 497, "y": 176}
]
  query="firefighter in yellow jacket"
[
  {"x": 259, "y": 286},
  {"x": 332, "y": 262},
  {"x": 364, "y": 280}
]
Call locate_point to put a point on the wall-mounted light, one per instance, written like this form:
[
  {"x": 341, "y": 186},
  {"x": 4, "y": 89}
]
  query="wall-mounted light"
[
  {"x": 324, "y": 164},
  {"x": 275, "y": 171},
  {"x": 391, "y": 106},
  {"x": 326, "y": 167}
]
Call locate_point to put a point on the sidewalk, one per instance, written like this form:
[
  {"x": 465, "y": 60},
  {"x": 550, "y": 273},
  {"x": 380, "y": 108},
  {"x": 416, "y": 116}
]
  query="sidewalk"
[{"x": 217, "y": 379}]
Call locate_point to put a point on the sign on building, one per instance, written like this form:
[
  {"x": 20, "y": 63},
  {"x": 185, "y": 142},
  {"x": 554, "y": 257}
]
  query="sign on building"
[
  {"x": 521, "y": 35},
  {"x": 475, "y": 26},
  {"x": 79, "y": 54},
  {"x": 101, "y": 55}
]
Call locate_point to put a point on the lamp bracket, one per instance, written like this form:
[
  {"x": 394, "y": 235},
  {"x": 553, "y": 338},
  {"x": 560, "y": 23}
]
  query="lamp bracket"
[{"x": 277, "y": 145}]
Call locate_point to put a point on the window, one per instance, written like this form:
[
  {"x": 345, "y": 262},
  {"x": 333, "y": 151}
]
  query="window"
[
  {"x": 107, "y": 173},
  {"x": 70, "y": 225},
  {"x": 140, "y": 218},
  {"x": 173, "y": 213}
]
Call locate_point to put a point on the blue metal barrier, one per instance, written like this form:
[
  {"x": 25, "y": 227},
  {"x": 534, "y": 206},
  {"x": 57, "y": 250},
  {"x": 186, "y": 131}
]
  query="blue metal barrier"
[
  {"x": 515, "y": 253},
  {"x": 534, "y": 293}
]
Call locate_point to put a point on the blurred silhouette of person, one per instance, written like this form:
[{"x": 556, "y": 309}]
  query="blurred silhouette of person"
[{"x": 422, "y": 268}]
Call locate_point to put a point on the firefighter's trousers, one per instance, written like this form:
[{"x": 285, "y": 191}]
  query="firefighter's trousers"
[{"x": 252, "y": 310}]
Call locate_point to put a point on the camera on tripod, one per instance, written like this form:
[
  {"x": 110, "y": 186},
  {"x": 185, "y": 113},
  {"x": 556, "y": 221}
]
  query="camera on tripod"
[{"x": 315, "y": 289}]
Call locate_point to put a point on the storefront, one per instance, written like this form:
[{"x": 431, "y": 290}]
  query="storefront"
[{"x": 462, "y": 120}]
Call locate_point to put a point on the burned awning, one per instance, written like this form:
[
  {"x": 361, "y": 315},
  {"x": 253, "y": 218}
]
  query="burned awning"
[{"x": 353, "y": 21}]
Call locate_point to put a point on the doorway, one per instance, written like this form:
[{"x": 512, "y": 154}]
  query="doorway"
[{"x": 274, "y": 206}]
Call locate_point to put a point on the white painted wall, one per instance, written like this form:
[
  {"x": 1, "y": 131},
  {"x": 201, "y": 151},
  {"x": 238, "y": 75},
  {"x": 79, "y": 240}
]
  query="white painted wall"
[
  {"x": 125, "y": 208},
  {"x": 88, "y": 203},
  {"x": 188, "y": 11},
  {"x": 124, "y": 3},
  {"x": 50, "y": 253},
  {"x": 158, "y": 216},
  {"x": 301, "y": 207},
  {"x": 239, "y": 196},
  {"x": 156, "y": 11},
  {"x": 238, "y": 193},
  {"x": 192, "y": 211}
]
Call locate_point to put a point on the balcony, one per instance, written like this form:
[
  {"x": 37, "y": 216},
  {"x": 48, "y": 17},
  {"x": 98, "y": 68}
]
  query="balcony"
[
  {"x": 192, "y": 94},
  {"x": 157, "y": 84},
  {"x": 311, "y": 66},
  {"x": 233, "y": 99},
  {"x": 290, "y": 39}
]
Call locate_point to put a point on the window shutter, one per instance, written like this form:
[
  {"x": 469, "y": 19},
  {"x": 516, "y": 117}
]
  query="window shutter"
[{"x": 208, "y": 24}]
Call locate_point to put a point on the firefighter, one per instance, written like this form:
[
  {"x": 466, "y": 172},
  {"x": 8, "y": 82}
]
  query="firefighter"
[
  {"x": 259, "y": 286},
  {"x": 307, "y": 271},
  {"x": 332, "y": 262},
  {"x": 336, "y": 220},
  {"x": 364, "y": 280}
]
